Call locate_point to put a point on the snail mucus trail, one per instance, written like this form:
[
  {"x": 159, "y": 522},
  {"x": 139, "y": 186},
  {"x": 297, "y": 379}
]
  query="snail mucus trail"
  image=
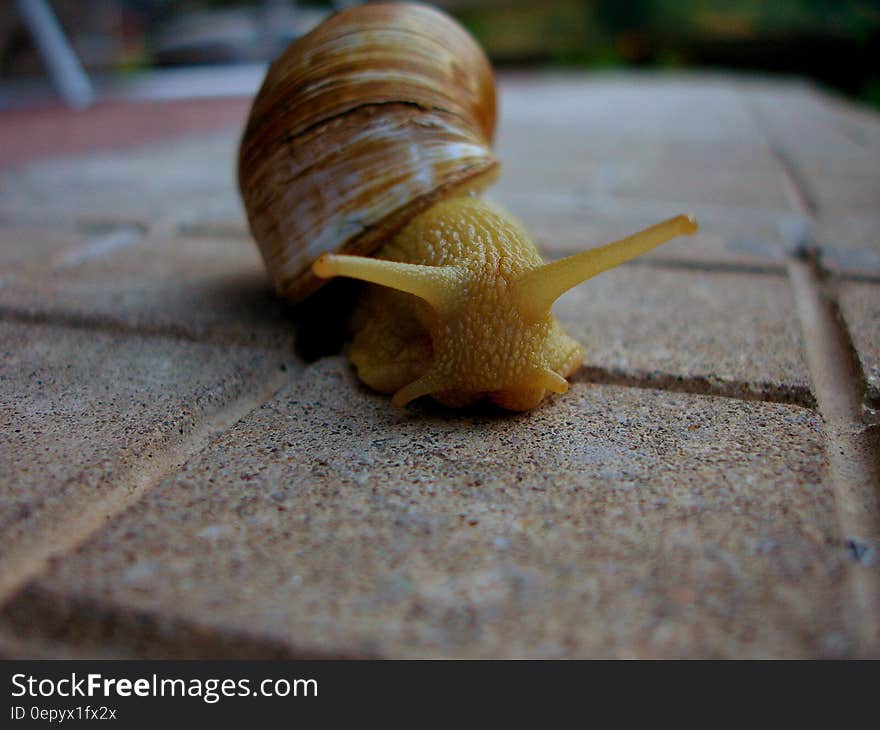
[{"x": 458, "y": 302}]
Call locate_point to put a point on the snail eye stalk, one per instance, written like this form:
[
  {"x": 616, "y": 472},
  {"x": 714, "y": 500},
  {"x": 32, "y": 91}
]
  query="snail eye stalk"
[
  {"x": 437, "y": 285},
  {"x": 536, "y": 291}
]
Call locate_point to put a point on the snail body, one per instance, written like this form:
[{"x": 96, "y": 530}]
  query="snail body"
[
  {"x": 463, "y": 336},
  {"x": 362, "y": 156}
]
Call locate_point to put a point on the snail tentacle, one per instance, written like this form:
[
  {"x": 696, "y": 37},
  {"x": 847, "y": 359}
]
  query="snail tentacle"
[
  {"x": 437, "y": 285},
  {"x": 429, "y": 383},
  {"x": 536, "y": 291},
  {"x": 552, "y": 381}
]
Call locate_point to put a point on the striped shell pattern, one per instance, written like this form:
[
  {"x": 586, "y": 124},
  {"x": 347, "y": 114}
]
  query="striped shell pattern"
[{"x": 359, "y": 126}]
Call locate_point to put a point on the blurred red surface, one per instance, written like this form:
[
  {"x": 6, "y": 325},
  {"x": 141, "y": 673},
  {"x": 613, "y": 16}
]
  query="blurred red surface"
[{"x": 56, "y": 131}]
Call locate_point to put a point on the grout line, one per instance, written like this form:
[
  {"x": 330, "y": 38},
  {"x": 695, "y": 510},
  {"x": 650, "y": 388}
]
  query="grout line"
[
  {"x": 773, "y": 267},
  {"x": 699, "y": 385},
  {"x": 720, "y": 267},
  {"x": 797, "y": 395},
  {"x": 799, "y": 191},
  {"x": 780, "y": 269},
  {"x": 111, "y": 326},
  {"x": 858, "y": 278},
  {"x": 100, "y": 323},
  {"x": 696, "y": 265},
  {"x": 852, "y": 445},
  {"x": 100, "y": 245},
  {"x": 32, "y": 556},
  {"x": 797, "y": 187}
]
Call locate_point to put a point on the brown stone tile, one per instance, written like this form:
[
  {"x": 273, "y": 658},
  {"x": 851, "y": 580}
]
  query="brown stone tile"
[
  {"x": 164, "y": 181},
  {"x": 678, "y": 174},
  {"x": 54, "y": 131},
  {"x": 729, "y": 330},
  {"x": 611, "y": 156},
  {"x": 845, "y": 193},
  {"x": 563, "y": 224},
  {"x": 606, "y": 108},
  {"x": 816, "y": 130},
  {"x": 732, "y": 331},
  {"x": 568, "y": 219},
  {"x": 610, "y": 144},
  {"x": 850, "y": 244},
  {"x": 860, "y": 306},
  {"x": 190, "y": 286},
  {"x": 31, "y": 248},
  {"x": 87, "y": 414},
  {"x": 832, "y": 156},
  {"x": 610, "y": 522}
]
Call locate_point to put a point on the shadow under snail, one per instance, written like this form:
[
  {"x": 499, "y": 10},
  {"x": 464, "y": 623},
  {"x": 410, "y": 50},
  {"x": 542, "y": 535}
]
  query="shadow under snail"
[{"x": 363, "y": 155}]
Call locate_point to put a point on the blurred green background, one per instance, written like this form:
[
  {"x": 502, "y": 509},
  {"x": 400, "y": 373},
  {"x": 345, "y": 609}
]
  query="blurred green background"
[{"x": 835, "y": 42}]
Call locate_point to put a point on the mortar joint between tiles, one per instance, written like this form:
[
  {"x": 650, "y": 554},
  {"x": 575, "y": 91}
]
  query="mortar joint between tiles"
[
  {"x": 794, "y": 395},
  {"x": 852, "y": 441},
  {"x": 111, "y": 326}
]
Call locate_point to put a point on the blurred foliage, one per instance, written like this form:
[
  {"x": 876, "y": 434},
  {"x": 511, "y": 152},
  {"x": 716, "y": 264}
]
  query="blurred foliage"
[
  {"x": 836, "y": 42},
  {"x": 853, "y": 18}
]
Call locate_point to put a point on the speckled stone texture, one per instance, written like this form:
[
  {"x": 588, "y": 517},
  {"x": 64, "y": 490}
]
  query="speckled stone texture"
[
  {"x": 860, "y": 307},
  {"x": 613, "y": 522},
  {"x": 732, "y": 332},
  {"x": 563, "y": 223},
  {"x": 182, "y": 476},
  {"x": 193, "y": 287},
  {"x": 178, "y": 181},
  {"x": 850, "y": 244},
  {"x": 82, "y": 410}
]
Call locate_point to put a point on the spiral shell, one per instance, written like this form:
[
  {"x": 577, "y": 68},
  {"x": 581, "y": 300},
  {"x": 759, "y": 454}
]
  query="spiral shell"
[{"x": 359, "y": 126}]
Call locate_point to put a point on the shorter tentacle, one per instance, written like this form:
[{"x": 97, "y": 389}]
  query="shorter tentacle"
[
  {"x": 551, "y": 380},
  {"x": 430, "y": 382}
]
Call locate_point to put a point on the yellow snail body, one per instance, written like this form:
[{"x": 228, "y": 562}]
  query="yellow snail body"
[{"x": 361, "y": 158}]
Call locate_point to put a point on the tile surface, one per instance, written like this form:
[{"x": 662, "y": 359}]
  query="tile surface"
[
  {"x": 613, "y": 521},
  {"x": 860, "y": 307},
  {"x": 182, "y": 475},
  {"x": 81, "y": 410},
  {"x": 196, "y": 287},
  {"x": 736, "y": 329}
]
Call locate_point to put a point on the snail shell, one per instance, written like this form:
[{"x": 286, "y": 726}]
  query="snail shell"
[{"x": 359, "y": 126}]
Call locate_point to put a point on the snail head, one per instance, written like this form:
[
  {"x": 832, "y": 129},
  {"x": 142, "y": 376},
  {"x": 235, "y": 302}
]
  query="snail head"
[{"x": 485, "y": 304}]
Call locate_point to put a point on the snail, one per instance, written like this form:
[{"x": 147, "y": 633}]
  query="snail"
[{"x": 363, "y": 156}]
